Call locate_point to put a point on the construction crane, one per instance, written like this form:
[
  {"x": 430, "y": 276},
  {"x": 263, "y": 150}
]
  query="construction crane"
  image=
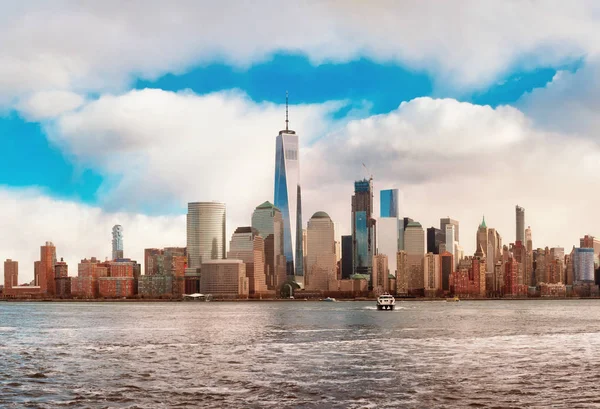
[{"x": 369, "y": 174}]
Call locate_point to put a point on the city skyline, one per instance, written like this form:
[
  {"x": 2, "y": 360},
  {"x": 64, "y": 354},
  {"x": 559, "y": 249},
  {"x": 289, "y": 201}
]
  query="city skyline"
[
  {"x": 295, "y": 204},
  {"x": 462, "y": 128}
]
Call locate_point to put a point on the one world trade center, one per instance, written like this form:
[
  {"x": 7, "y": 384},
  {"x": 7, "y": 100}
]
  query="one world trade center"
[{"x": 288, "y": 199}]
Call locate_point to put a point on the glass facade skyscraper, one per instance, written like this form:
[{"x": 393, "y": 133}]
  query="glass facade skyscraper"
[
  {"x": 205, "y": 233},
  {"x": 389, "y": 227},
  {"x": 583, "y": 265},
  {"x": 269, "y": 223},
  {"x": 363, "y": 229},
  {"x": 388, "y": 203},
  {"x": 288, "y": 198}
]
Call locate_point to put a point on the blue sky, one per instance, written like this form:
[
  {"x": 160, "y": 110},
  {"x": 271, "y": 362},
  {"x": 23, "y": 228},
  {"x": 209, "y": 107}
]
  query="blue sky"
[{"x": 32, "y": 160}]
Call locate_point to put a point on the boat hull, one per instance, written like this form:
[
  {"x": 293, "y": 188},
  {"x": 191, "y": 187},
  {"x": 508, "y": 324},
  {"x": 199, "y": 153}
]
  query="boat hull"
[{"x": 382, "y": 307}]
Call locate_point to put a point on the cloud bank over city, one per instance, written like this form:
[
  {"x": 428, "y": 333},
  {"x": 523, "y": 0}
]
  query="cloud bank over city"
[{"x": 72, "y": 70}]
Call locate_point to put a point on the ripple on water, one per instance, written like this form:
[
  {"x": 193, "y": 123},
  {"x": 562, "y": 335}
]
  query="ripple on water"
[{"x": 280, "y": 355}]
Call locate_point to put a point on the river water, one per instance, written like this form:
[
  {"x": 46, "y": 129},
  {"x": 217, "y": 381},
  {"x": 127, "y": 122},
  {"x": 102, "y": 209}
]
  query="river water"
[{"x": 300, "y": 354}]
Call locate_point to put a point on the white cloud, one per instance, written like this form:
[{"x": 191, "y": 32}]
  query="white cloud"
[
  {"x": 161, "y": 149},
  {"x": 569, "y": 103},
  {"x": 461, "y": 160},
  {"x": 101, "y": 46},
  {"x": 30, "y": 218},
  {"x": 448, "y": 158},
  {"x": 49, "y": 104}
]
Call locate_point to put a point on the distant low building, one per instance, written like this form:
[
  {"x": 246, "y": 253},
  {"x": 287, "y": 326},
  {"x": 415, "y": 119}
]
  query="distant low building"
[
  {"x": 12, "y": 289},
  {"x": 224, "y": 279}
]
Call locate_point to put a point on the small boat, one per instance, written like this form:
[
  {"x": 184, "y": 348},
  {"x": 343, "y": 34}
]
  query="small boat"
[
  {"x": 330, "y": 299},
  {"x": 197, "y": 297},
  {"x": 455, "y": 299},
  {"x": 386, "y": 302}
]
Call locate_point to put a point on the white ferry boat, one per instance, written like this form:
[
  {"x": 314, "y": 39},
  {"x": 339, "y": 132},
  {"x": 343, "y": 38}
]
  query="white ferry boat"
[{"x": 386, "y": 302}]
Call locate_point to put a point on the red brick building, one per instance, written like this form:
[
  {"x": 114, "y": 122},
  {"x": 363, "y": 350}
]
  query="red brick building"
[
  {"x": 512, "y": 287},
  {"x": 11, "y": 275},
  {"x": 165, "y": 273},
  {"x": 85, "y": 285},
  {"x": 116, "y": 287},
  {"x": 62, "y": 281},
  {"x": 469, "y": 280},
  {"x": 120, "y": 269},
  {"x": 46, "y": 268},
  {"x": 12, "y": 289}
]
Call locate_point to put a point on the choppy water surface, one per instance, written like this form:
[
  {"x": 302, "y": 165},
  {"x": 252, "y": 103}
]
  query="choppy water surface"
[{"x": 300, "y": 354}]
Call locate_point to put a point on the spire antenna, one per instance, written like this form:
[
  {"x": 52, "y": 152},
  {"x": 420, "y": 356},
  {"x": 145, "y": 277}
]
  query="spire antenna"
[{"x": 286, "y": 111}]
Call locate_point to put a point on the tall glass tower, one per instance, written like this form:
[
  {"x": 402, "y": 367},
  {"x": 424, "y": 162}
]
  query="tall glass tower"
[
  {"x": 117, "y": 242},
  {"x": 206, "y": 222},
  {"x": 363, "y": 229},
  {"x": 389, "y": 227},
  {"x": 288, "y": 197},
  {"x": 388, "y": 203}
]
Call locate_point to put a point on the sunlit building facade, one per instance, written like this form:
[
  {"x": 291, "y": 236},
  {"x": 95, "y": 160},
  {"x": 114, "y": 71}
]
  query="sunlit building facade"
[
  {"x": 320, "y": 259},
  {"x": 268, "y": 221},
  {"x": 381, "y": 273},
  {"x": 433, "y": 274},
  {"x": 414, "y": 244},
  {"x": 224, "y": 279},
  {"x": 247, "y": 245},
  {"x": 205, "y": 233},
  {"x": 520, "y": 223},
  {"x": 288, "y": 199}
]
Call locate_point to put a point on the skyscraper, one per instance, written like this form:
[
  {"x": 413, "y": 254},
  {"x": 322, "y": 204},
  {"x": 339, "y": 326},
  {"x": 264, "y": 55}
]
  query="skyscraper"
[
  {"x": 320, "y": 258},
  {"x": 388, "y": 227},
  {"x": 346, "y": 257},
  {"x": 447, "y": 268},
  {"x": 46, "y": 268},
  {"x": 205, "y": 233},
  {"x": 435, "y": 237},
  {"x": 117, "y": 242},
  {"x": 381, "y": 273},
  {"x": 388, "y": 203},
  {"x": 451, "y": 242},
  {"x": 268, "y": 221},
  {"x": 520, "y": 221},
  {"x": 363, "y": 228},
  {"x": 432, "y": 274},
  {"x": 414, "y": 245},
  {"x": 247, "y": 245},
  {"x": 528, "y": 240},
  {"x": 583, "y": 265},
  {"x": 403, "y": 223},
  {"x": 288, "y": 196},
  {"x": 446, "y": 221},
  {"x": 482, "y": 237}
]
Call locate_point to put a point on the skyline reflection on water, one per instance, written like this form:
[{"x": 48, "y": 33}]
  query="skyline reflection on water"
[{"x": 300, "y": 354}]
